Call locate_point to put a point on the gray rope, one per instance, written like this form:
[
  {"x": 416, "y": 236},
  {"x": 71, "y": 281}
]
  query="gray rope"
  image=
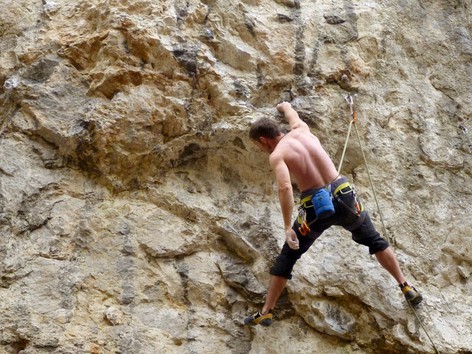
[
  {"x": 349, "y": 99},
  {"x": 424, "y": 329},
  {"x": 345, "y": 146}
]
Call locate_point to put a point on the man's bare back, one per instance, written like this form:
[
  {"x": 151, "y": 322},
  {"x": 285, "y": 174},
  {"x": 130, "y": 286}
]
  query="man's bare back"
[
  {"x": 308, "y": 163},
  {"x": 296, "y": 156}
]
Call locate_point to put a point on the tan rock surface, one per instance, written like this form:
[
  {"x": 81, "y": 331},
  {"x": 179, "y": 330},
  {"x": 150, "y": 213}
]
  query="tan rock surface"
[{"x": 136, "y": 216}]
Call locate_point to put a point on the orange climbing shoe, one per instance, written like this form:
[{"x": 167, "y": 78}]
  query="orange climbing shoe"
[
  {"x": 258, "y": 318},
  {"x": 411, "y": 294}
]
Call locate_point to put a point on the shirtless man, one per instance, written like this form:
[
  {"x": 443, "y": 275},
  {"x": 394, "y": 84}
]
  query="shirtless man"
[{"x": 299, "y": 156}]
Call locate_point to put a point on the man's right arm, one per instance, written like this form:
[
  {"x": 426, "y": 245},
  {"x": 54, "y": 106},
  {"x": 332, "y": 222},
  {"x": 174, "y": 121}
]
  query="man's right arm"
[
  {"x": 291, "y": 116},
  {"x": 285, "y": 193}
]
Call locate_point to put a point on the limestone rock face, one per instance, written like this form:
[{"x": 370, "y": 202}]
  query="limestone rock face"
[{"x": 137, "y": 217}]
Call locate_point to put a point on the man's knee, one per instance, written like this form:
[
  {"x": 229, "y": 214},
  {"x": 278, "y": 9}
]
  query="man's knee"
[
  {"x": 378, "y": 245},
  {"x": 374, "y": 241},
  {"x": 283, "y": 266},
  {"x": 367, "y": 235}
]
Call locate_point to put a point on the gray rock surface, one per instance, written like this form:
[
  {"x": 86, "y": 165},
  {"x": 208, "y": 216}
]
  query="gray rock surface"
[{"x": 137, "y": 217}]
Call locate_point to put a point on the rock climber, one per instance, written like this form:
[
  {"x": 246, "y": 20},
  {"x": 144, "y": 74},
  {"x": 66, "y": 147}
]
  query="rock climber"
[{"x": 327, "y": 199}]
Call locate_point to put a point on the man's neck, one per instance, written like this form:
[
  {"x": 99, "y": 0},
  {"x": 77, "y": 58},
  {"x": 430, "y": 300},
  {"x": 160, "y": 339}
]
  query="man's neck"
[
  {"x": 276, "y": 141},
  {"x": 279, "y": 137}
]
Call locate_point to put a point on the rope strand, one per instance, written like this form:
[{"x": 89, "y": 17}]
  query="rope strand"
[
  {"x": 350, "y": 101},
  {"x": 384, "y": 229},
  {"x": 424, "y": 329},
  {"x": 345, "y": 146}
]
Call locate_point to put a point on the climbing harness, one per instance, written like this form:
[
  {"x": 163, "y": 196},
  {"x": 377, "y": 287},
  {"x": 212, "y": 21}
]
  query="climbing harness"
[
  {"x": 322, "y": 201},
  {"x": 350, "y": 101},
  {"x": 345, "y": 189}
]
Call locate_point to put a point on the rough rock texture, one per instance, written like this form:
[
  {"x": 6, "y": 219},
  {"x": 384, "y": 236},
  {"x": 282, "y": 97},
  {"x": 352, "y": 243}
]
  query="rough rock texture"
[{"x": 136, "y": 216}]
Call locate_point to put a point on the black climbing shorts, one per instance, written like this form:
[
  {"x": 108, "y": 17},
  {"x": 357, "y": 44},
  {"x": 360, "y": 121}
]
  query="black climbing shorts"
[{"x": 360, "y": 226}]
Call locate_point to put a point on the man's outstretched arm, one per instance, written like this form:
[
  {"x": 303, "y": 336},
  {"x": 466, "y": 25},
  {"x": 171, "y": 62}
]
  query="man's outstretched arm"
[{"x": 291, "y": 116}]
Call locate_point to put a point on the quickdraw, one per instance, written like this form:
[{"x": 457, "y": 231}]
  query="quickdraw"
[{"x": 304, "y": 229}]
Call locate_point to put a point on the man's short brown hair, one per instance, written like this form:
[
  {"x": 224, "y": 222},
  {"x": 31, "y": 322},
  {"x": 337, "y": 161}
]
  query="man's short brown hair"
[{"x": 264, "y": 127}]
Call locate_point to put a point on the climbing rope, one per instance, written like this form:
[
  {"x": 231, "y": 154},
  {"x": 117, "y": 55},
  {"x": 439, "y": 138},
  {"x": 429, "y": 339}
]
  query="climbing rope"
[
  {"x": 350, "y": 101},
  {"x": 345, "y": 144},
  {"x": 424, "y": 328}
]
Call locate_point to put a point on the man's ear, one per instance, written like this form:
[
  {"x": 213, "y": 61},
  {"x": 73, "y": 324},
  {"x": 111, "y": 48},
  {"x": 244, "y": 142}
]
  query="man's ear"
[{"x": 262, "y": 140}]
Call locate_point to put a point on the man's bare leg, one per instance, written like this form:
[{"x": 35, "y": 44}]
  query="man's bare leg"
[
  {"x": 276, "y": 286},
  {"x": 389, "y": 261}
]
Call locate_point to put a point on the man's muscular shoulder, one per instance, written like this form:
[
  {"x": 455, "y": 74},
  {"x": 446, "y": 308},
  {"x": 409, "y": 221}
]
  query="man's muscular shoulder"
[{"x": 275, "y": 157}]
